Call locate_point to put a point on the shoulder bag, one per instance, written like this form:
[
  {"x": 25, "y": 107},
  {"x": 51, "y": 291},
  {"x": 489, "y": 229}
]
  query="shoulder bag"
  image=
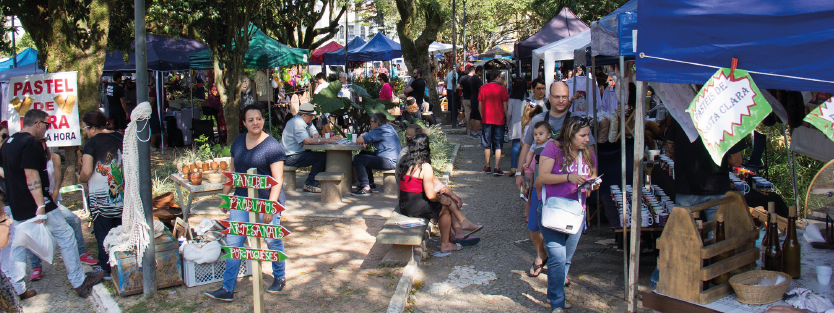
[{"x": 562, "y": 214}]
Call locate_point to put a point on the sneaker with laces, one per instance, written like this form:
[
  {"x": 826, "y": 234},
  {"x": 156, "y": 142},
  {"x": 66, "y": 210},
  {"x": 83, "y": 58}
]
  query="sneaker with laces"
[
  {"x": 87, "y": 259},
  {"x": 312, "y": 189},
  {"x": 220, "y": 294},
  {"x": 487, "y": 169},
  {"x": 498, "y": 172},
  {"x": 37, "y": 274},
  {"x": 277, "y": 286},
  {"x": 362, "y": 192}
]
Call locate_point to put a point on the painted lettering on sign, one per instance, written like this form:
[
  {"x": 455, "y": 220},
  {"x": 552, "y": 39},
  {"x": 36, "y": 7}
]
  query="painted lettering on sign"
[
  {"x": 823, "y": 118},
  {"x": 251, "y": 204},
  {"x": 255, "y": 230},
  {"x": 249, "y": 180},
  {"x": 240, "y": 253}
]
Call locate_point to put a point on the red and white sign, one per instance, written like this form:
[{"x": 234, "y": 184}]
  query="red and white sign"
[{"x": 54, "y": 93}]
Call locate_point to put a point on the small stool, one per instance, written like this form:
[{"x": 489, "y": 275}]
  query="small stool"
[
  {"x": 289, "y": 177},
  {"x": 331, "y": 192},
  {"x": 389, "y": 182}
]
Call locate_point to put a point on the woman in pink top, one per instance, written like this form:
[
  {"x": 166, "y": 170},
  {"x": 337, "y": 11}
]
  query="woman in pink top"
[
  {"x": 564, "y": 164},
  {"x": 385, "y": 92}
]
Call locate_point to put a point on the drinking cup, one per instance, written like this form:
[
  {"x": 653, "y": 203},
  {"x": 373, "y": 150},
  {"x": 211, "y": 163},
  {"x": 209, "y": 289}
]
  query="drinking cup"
[{"x": 824, "y": 275}]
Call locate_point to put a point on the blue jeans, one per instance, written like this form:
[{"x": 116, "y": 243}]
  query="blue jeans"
[
  {"x": 316, "y": 161},
  {"x": 560, "y": 248},
  {"x": 233, "y": 265},
  {"x": 688, "y": 201},
  {"x": 65, "y": 240},
  {"x": 515, "y": 146},
  {"x": 492, "y": 137},
  {"x": 365, "y": 163},
  {"x": 75, "y": 223}
]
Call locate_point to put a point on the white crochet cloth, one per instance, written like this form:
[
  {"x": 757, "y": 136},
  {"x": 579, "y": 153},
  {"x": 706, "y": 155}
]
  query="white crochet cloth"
[
  {"x": 135, "y": 226},
  {"x": 117, "y": 237}
]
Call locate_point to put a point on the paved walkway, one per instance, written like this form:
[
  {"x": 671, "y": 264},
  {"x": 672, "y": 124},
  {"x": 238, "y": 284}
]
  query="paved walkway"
[{"x": 490, "y": 277}]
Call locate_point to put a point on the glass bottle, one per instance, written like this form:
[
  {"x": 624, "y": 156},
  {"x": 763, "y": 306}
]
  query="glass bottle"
[
  {"x": 773, "y": 253},
  {"x": 704, "y": 262},
  {"x": 791, "y": 248},
  {"x": 771, "y": 209},
  {"x": 720, "y": 236}
]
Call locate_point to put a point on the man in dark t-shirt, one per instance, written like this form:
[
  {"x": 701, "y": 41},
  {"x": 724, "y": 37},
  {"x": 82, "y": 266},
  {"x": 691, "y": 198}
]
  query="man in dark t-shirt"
[
  {"x": 417, "y": 89},
  {"x": 475, "y": 83},
  {"x": 118, "y": 105},
  {"x": 24, "y": 165},
  {"x": 463, "y": 84}
]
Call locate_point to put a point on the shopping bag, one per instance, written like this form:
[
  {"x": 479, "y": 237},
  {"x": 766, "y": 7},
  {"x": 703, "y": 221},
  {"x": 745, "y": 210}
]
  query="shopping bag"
[{"x": 35, "y": 237}]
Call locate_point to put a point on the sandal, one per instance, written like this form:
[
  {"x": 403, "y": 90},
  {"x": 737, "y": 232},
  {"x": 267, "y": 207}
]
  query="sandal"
[
  {"x": 537, "y": 269},
  {"x": 567, "y": 282},
  {"x": 473, "y": 231}
]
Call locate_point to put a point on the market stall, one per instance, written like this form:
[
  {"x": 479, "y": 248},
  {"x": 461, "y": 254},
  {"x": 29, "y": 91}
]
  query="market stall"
[
  {"x": 338, "y": 57},
  {"x": 27, "y": 56}
]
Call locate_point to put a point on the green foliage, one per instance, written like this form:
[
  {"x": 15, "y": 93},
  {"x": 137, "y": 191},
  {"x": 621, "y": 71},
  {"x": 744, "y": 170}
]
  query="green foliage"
[
  {"x": 441, "y": 149},
  {"x": 779, "y": 172},
  {"x": 370, "y": 84},
  {"x": 328, "y": 101}
]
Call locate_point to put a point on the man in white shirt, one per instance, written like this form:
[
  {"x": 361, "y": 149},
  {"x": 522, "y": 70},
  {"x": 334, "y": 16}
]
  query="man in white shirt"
[
  {"x": 300, "y": 131},
  {"x": 321, "y": 82}
]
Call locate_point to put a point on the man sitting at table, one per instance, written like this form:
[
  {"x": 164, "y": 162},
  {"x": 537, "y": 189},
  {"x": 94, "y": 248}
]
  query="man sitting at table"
[
  {"x": 300, "y": 131},
  {"x": 387, "y": 144}
]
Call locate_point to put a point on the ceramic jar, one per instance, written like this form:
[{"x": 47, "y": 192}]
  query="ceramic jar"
[{"x": 196, "y": 177}]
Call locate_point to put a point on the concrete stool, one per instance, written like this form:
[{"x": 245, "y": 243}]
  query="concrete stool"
[
  {"x": 330, "y": 190},
  {"x": 289, "y": 177},
  {"x": 389, "y": 182}
]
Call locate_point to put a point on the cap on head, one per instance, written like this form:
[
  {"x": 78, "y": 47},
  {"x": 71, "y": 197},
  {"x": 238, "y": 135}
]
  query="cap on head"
[{"x": 307, "y": 108}]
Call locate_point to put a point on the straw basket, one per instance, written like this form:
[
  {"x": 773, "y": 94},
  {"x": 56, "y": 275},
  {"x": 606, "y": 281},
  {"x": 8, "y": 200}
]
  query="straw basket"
[{"x": 757, "y": 295}]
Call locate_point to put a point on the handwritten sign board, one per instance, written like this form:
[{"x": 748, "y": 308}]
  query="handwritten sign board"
[
  {"x": 54, "y": 93},
  {"x": 727, "y": 108},
  {"x": 251, "y": 204},
  {"x": 240, "y": 253},
  {"x": 249, "y": 180},
  {"x": 268, "y": 231},
  {"x": 823, "y": 118}
]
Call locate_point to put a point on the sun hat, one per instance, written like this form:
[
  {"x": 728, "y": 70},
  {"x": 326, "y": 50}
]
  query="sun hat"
[{"x": 307, "y": 108}]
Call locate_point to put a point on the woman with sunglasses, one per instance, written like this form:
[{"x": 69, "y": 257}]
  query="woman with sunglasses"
[{"x": 565, "y": 164}]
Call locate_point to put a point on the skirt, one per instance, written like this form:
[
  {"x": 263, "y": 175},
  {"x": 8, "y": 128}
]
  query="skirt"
[{"x": 416, "y": 204}]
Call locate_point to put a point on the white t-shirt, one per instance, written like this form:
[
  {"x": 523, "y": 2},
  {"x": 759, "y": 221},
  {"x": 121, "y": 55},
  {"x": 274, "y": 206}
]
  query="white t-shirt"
[{"x": 321, "y": 86}]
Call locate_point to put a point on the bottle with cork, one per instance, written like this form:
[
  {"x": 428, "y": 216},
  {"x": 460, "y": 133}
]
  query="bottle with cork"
[
  {"x": 791, "y": 248},
  {"x": 773, "y": 252},
  {"x": 720, "y": 236},
  {"x": 771, "y": 211}
]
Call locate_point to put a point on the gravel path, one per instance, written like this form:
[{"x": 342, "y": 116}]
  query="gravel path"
[{"x": 490, "y": 277}]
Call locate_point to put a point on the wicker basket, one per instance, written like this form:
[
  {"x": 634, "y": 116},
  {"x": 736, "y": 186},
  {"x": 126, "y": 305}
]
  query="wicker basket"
[{"x": 756, "y": 295}]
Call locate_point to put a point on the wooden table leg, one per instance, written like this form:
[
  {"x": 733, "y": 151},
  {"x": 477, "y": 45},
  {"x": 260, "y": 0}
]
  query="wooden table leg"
[
  {"x": 340, "y": 161},
  {"x": 179, "y": 194}
]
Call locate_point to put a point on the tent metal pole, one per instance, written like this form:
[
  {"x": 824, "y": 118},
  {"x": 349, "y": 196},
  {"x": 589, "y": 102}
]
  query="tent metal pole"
[
  {"x": 191, "y": 103},
  {"x": 637, "y": 197},
  {"x": 596, "y": 130},
  {"x": 160, "y": 100},
  {"x": 269, "y": 99},
  {"x": 623, "y": 169}
]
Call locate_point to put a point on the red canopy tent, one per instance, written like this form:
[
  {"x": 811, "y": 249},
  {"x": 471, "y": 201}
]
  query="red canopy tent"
[{"x": 318, "y": 54}]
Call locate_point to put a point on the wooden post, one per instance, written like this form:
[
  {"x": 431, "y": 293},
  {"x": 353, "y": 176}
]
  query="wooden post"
[
  {"x": 255, "y": 243},
  {"x": 596, "y": 129},
  {"x": 637, "y": 198}
]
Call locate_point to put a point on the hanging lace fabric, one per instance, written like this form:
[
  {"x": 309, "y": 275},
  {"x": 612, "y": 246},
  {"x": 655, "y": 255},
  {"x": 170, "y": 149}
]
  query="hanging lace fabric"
[{"x": 135, "y": 226}]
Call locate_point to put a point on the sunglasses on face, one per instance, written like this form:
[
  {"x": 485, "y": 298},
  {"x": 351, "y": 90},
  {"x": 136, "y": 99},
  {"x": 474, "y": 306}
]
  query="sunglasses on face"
[
  {"x": 48, "y": 125},
  {"x": 581, "y": 120},
  {"x": 4, "y": 136}
]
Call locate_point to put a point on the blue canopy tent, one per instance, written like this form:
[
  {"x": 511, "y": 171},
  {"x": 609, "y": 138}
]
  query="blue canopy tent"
[
  {"x": 379, "y": 48},
  {"x": 27, "y": 56},
  {"x": 338, "y": 57},
  {"x": 164, "y": 54}
]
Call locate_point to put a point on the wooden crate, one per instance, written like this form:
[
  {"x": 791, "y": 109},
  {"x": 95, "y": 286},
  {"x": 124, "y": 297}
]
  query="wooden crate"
[
  {"x": 682, "y": 250},
  {"x": 127, "y": 274}
]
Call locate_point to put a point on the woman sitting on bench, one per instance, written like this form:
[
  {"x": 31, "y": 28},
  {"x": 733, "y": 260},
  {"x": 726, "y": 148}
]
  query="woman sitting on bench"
[{"x": 421, "y": 197}]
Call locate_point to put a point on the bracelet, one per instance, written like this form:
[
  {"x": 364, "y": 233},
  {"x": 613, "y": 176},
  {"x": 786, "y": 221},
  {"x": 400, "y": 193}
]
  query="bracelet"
[
  {"x": 42, "y": 206},
  {"x": 568, "y": 176}
]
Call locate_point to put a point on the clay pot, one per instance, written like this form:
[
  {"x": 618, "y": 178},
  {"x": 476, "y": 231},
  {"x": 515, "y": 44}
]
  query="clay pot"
[
  {"x": 223, "y": 165},
  {"x": 206, "y": 166},
  {"x": 199, "y": 165},
  {"x": 186, "y": 170},
  {"x": 214, "y": 166},
  {"x": 179, "y": 168},
  {"x": 196, "y": 178}
]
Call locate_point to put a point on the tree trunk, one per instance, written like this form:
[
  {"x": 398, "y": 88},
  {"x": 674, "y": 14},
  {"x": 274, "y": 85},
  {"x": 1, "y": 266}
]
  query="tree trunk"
[
  {"x": 80, "y": 50},
  {"x": 416, "y": 50}
]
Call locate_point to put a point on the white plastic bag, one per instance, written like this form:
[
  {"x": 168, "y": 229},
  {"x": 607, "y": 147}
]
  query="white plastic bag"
[{"x": 35, "y": 237}]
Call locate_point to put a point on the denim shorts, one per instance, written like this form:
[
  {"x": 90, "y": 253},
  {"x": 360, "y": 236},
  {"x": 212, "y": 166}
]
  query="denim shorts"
[{"x": 492, "y": 136}]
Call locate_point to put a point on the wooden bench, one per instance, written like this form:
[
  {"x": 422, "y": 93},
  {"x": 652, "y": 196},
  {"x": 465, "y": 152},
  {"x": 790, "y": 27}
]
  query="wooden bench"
[
  {"x": 389, "y": 182},
  {"x": 289, "y": 177},
  {"x": 404, "y": 240},
  {"x": 331, "y": 192}
]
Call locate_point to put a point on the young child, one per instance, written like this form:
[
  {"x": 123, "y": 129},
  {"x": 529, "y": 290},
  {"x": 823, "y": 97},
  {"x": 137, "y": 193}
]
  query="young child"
[
  {"x": 530, "y": 110},
  {"x": 541, "y": 134}
]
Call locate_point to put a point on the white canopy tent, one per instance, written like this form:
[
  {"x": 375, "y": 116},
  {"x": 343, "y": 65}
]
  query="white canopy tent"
[
  {"x": 440, "y": 47},
  {"x": 558, "y": 51}
]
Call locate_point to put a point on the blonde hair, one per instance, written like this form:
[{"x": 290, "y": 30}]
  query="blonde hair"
[{"x": 528, "y": 114}]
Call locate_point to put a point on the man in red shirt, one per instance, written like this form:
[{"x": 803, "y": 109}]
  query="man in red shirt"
[{"x": 492, "y": 103}]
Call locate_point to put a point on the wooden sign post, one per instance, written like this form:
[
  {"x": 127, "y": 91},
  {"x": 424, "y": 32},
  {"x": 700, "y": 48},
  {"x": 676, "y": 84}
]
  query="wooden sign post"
[{"x": 253, "y": 229}]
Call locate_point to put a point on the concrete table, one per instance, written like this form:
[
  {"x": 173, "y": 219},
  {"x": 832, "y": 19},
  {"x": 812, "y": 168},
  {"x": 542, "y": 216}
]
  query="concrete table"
[
  {"x": 339, "y": 160},
  {"x": 203, "y": 189}
]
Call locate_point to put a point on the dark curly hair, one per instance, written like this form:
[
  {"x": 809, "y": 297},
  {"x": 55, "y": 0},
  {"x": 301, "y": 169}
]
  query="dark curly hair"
[{"x": 419, "y": 152}]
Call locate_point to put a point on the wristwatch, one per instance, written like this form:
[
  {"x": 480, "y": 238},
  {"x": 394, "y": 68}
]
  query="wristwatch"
[{"x": 518, "y": 173}]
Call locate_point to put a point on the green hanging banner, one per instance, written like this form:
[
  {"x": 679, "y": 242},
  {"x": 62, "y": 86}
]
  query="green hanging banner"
[
  {"x": 823, "y": 118},
  {"x": 727, "y": 109}
]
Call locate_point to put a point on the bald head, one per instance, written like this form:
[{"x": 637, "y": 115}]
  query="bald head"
[{"x": 559, "y": 98}]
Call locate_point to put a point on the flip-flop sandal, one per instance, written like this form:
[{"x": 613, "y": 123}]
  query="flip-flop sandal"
[
  {"x": 473, "y": 232},
  {"x": 537, "y": 268},
  {"x": 457, "y": 248},
  {"x": 467, "y": 241}
]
